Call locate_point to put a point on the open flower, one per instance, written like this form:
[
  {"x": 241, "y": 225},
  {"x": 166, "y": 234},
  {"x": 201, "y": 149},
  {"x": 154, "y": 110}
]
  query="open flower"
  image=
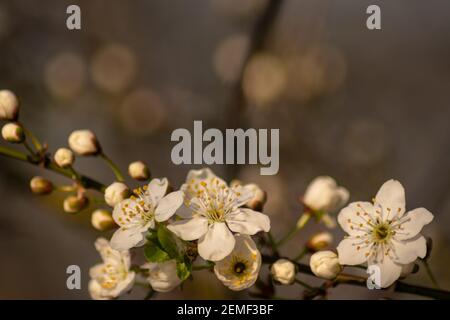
[
  {"x": 112, "y": 277},
  {"x": 138, "y": 213},
  {"x": 162, "y": 276},
  {"x": 212, "y": 212},
  {"x": 240, "y": 269},
  {"x": 382, "y": 234}
]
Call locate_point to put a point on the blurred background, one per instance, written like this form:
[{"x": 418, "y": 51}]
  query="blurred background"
[{"x": 362, "y": 106}]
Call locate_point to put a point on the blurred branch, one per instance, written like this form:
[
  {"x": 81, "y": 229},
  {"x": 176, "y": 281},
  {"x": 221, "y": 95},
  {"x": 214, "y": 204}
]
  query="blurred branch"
[{"x": 238, "y": 103}]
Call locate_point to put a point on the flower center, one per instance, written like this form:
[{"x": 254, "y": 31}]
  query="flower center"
[
  {"x": 239, "y": 268},
  {"x": 382, "y": 232}
]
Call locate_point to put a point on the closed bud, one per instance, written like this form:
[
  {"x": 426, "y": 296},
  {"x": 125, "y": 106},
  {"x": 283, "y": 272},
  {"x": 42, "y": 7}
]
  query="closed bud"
[
  {"x": 138, "y": 170},
  {"x": 41, "y": 186},
  {"x": 259, "y": 197},
  {"x": 9, "y": 106},
  {"x": 12, "y": 132},
  {"x": 64, "y": 157},
  {"x": 102, "y": 220},
  {"x": 84, "y": 143},
  {"x": 74, "y": 204},
  {"x": 323, "y": 194},
  {"x": 283, "y": 271},
  {"x": 319, "y": 241},
  {"x": 115, "y": 193},
  {"x": 325, "y": 264}
]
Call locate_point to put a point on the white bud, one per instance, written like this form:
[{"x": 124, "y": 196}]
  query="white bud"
[
  {"x": 283, "y": 271},
  {"x": 9, "y": 105},
  {"x": 102, "y": 220},
  {"x": 74, "y": 204},
  {"x": 138, "y": 170},
  {"x": 325, "y": 264},
  {"x": 64, "y": 157},
  {"x": 115, "y": 193},
  {"x": 323, "y": 194},
  {"x": 84, "y": 142},
  {"x": 41, "y": 186},
  {"x": 12, "y": 132},
  {"x": 319, "y": 241},
  {"x": 162, "y": 276},
  {"x": 259, "y": 197}
]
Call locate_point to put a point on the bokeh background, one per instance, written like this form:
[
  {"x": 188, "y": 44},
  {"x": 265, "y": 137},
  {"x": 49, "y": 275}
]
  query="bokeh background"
[{"x": 362, "y": 106}]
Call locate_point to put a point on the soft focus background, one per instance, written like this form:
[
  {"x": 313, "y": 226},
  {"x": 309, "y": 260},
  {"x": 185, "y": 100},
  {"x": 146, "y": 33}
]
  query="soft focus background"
[{"x": 362, "y": 106}]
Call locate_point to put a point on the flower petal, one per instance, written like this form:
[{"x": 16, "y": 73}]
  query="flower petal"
[
  {"x": 247, "y": 221},
  {"x": 388, "y": 272},
  {"x": 354, "y": 218},
  {"x": 244, "y": 194},
  {"x": 391, "y": 199},
  {"x": 349, "y": 253},
  {"x": 417, "y": 219},
  {"x": 405, "y": 252},
  {"x": 189, "y": 229},
  {"x": 217, "y": 243},
  {"x": 157, "y": 188},
  {"x": 168, "y": 205},
  {"x": 124, "y": 239},
  {"x": 184, "y": 211}
]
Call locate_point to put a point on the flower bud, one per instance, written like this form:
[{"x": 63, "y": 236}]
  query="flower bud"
[
  {"x": 41, "y": 186},
  {"x": 74, "y": 204},
  {"x": 138, "y": 170},
  {"x": 319, "y": 241},
  {"x": 283, "y": 271},
  {"x": 64, "y": 157},
  {"x": 323, "y": 194},
  {"x": 325, "y": 264},
  {"x": 115, "y": 193},
  {"x": 259, "y": 197},
  {"x": 12, "y": 132},
  {"x": 84, "y": 143},
  {"x": 102, "y": 220},
  {"x": 9, "y": 105}
]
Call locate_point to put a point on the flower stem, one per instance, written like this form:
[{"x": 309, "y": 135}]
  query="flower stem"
[
  {"x": 115, "y": 169},
  {"x": 307, "y": 286},
  {"x": 292, "y": 233},
  {"x": 301, "y": 254},
  {"x": 87, "y": 182},
  {"x": 272, "y": 243},
  {"x": 430, "y": 274},
  {"x": 37, "y": 144}
]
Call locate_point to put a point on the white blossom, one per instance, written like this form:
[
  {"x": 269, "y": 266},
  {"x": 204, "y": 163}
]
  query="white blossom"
[
  {"x": 112, "y": 277},
  {"x": 319, "y": 241},
  {"x": 240, "y": 269},
  {"x": 325, "y": 264},
  {"x": 138, "y": 170},
  {"x": 212, "y": 212},
  {"x": 12, "y": 132},
  {"x": 382, "y": 234},
  {"x": 64, "y": 157},
  {"x": 136, "y": 215},
  {"x": 102, "y": 220},
  {"x": 323, "y": 194},
  {"x": 162, "y": 276},
  {"x": 283, "y": 271}
]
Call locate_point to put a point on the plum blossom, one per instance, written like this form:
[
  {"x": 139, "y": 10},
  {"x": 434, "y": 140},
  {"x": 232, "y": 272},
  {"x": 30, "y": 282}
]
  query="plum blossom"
[
  {"x": 382, "y": 234},
  {"x": 212, "y": 212},
  {"x": 240, "y": 269},
  {"x": 162, "y": 276},
  {"x": 136, "y": 215},
  {"x": 112, "y": 277}
]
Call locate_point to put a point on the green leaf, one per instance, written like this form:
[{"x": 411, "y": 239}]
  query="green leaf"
[
  {"x": 155, "y": 254},
  {"x": 171, "y": 244},
  {"x": 183, "y": 270}
]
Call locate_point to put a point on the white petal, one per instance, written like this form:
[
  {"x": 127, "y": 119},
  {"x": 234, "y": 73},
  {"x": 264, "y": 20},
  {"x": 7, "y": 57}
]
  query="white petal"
[
  {"x": 124, "y": 285},
  {"x": 349, "y": 254},
  {"x": 407, "y": 251},
  {"x": 168, "y": 205},
  {"x": 189, "y": 229},
  {"x": 354, "y": 218},
  {"x": 184, "y": 211},
  {"x": 157, "y": 188},
  {"x": 244, "y": 194},
  {"x": 124, "y": 239},
  {"x": 417, "y": 219},
  {"x": 217, "y": 243},
  {"x": 388, "y": 272},
  {"x": 247, "y": 221},
  {"x": 391, "y": 198}
]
